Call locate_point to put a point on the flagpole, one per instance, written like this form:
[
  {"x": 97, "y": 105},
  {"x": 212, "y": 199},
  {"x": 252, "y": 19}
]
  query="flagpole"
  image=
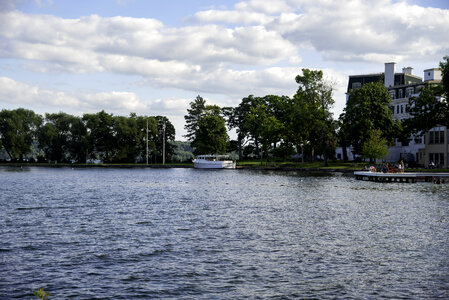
[
  {"x": 147, "y": 141},
  {"x": 163, "y": 146}
]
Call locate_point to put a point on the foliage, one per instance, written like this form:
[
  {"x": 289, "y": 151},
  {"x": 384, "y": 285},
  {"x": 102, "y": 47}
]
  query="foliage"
[
  {"x": 444, "y": 66},
  {"x": 193, "y": 117},
  {"x": 375, "y": 147},
  {"x": 206, "y": 128},
  {"x": 236, "y": 118},
  {"x": 265, "y": 127},
  {"x": 427, "y": 110},
  {"x": 368, "y": 109},
  {"x": 165, "y": 131},
  {"x": 431, "y": 107},
  {"x": 41, "y": 294},
  {"x": 61, "y": 137},
  {"x": 312, "y": 118},
  {"x": 100, "y": 134},
  {"x": 211, "y": 136},
  {"x": 183, "y": 151},
  {"x": 279, "y": 125},
  {"x": 18, "y": 129}
]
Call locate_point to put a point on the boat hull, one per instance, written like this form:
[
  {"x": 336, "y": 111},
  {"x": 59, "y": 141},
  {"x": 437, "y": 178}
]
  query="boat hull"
[{"x": 224, "y": 164}]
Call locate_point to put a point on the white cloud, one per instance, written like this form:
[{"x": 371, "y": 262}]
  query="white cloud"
[
  {"x": 367, "y": 30},
  {"x": 263, "y": 6},
  {"x": 19, "y": 94}
]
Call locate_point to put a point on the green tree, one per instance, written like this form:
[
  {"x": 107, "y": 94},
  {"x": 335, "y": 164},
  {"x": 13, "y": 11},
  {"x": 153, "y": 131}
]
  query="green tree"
[
  {"x": 101, "y": 137},
  {"x": 444, "y": 66},
  {"x": 63, "y": 138},
  {"x": 375, "y": 147},
  {"x": 368, "y": 109},
  {"x": 78, "y": 141},
  {"x": 126, "y": 138},
  {"x": 18, "y": 129},
  {"x": 310, "y": 117},
  {"x": 236, "y": 118},
  {"x": 265, "y": 128},
  {"x": 193, "y": 117},
  {"x": 211, "y": 136}
]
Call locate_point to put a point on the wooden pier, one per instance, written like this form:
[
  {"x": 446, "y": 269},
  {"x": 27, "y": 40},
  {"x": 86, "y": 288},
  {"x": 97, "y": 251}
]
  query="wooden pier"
[{"x": 402, "y": 177}]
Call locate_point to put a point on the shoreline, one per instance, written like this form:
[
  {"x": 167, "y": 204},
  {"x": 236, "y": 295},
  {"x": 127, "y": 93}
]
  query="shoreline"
[{"x": 187, "y": 166}]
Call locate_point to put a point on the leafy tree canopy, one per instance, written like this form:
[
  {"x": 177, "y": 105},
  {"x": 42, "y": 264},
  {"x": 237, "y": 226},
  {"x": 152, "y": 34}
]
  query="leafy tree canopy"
[
  {"x": 375, "y": 147},
  {"x": 368, "y": 109},
  {"x": 431, "y": 107},
  {"x": 18, "y": 129}
]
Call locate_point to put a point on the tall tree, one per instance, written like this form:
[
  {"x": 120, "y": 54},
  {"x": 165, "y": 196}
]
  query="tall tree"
[
  {"x": 18, "y": 129},
  {"x": 101, "y": 134},
  {"x": 236, "y": 118},
  {"x": 126, "y": 138},
  {"x": 266, "y": 128},
  {"x": 63, "y": 138},
  {"x": 211, "y": 136},
  {"x": 311, "y": 119},
  {"x": 368, "y": 109},
  {"x": 78, "y": 142},
  {"x": 193, "y": 117}
]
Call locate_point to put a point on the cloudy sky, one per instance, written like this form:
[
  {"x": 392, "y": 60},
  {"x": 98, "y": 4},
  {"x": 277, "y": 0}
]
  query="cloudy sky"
[{"x": 153, "y": 57}]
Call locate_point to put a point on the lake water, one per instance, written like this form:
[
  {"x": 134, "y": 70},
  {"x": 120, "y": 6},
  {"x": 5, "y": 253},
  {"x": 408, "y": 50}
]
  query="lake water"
[{"x": 227, "y": 234}]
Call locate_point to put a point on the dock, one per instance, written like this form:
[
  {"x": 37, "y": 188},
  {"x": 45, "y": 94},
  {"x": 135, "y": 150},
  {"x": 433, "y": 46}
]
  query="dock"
[{"x": 402, "y": 177}]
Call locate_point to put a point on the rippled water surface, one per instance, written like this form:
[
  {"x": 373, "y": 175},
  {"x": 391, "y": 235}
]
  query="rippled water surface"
[{"x": 186, "y": 233}]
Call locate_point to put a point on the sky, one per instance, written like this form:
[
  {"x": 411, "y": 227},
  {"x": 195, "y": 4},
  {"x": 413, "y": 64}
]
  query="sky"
[{"x": 154, "y": 57}]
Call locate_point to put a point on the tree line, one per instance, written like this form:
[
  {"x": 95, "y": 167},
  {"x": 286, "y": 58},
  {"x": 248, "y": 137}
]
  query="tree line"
[
  {"x": 281, "y": 126},
  {"x": 269, "y": 126},
  {"x": 61, "y": 137}
]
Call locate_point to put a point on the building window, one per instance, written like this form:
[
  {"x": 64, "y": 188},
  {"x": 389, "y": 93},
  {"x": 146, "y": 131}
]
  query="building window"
[
  {"x": 436, "y": 137},
  {"x": 356, "y": 85},
  {"x": 408, "y": 91},
  {"x": 402, "y": 109},
  {"x": 397, "y": 109},
  {"x": 400, "y": 94}
]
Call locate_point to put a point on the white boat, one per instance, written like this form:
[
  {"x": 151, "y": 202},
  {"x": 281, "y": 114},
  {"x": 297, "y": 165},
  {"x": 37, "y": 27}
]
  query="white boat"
[{"x": 213, "y": 162}]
